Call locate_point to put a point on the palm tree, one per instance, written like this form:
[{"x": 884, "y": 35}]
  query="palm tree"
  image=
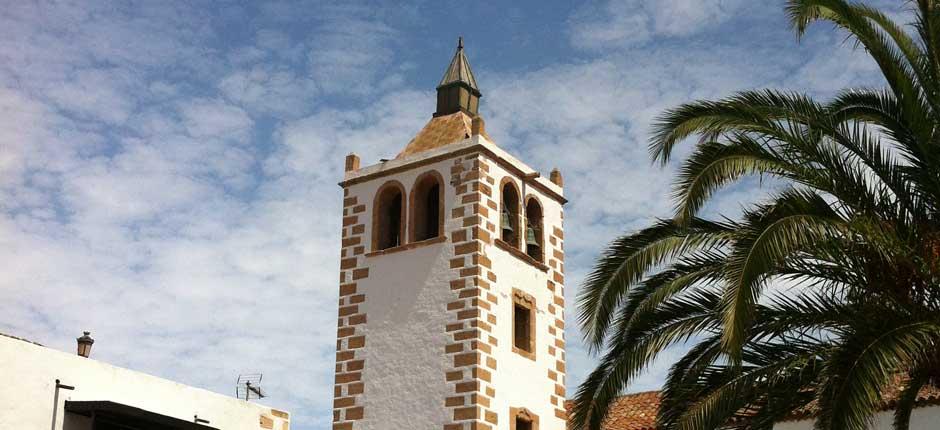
[{"x": 854, "y": 230}]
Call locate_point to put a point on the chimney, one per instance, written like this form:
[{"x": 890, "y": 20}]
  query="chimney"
[
  {"x": 477, "y": 126},
  {"x": 352, "y": 162},
  {"x": 84, "y": 344},
  {"x": 555, "y": 177}
]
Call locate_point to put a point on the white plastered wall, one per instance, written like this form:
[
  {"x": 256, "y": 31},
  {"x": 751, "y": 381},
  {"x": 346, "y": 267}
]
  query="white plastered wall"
[
  {"x": 519, "y": 382},
  {"x": 28, "y": 393},
  {"x": 406, "y": 298},
  {"x": 407, "y": 292}
]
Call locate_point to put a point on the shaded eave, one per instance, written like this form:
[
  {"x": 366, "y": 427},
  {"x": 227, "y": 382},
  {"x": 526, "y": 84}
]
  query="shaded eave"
[
  {"x": 146, "y": 419},
  {"x": 472, "y": 89}
]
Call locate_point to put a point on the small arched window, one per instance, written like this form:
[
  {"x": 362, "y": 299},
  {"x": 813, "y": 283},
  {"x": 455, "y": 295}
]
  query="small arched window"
[
  {"x": 427, "y": 207},
  {"x": 509, "y": 215},
  {"x": 388, "y": 216},
  {"x": 533, "y": 229},
  {"x": 523, "y": 419}
]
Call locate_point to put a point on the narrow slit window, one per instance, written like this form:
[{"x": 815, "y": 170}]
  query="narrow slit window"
[
  {"x": 522, "y": 338},
  {"x": 523, "y": 323},
  {"x": 431, "y": 202}
]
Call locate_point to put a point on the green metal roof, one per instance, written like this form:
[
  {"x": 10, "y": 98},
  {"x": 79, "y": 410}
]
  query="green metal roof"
[{"x": 459, "y": 70}]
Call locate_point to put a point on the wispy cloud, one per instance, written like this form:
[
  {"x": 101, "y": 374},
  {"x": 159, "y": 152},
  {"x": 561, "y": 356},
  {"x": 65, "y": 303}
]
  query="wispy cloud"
[
  {"x": 161, "y": 177},
  {"x": 354, "y": 49},
  {"x": 172, "y": 169},
  {"x": 609, "y": 24}
]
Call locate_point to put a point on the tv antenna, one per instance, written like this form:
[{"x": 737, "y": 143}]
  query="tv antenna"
[{"x": 248, "y": 386}]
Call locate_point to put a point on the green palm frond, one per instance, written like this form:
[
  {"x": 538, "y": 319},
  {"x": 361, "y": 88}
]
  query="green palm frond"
[
  {"x": 748, "y": 112},
  {"x": 673, "y": 322},
  {"x": 857, "y": 371},
  {"x": 680, "y": 390},
  {"x": 826, "y": 290},
  {"x": 715, "y": 164},
  {"x": 856, "y": 21},
  {"x": 628, "y": 259},
  {"x": 732, "y": 398},
  {"x": 797, "y": 219}
]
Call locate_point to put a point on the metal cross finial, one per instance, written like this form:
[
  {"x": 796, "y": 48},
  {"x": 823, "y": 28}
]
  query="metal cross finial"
[{"x": 459, "y": 42}]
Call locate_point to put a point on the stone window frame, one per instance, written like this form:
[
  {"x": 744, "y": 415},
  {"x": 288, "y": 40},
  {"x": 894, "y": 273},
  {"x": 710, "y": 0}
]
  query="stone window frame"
[
  {"x": 413, "y": 205},
  {"x": 540, "y": 228},
  {"x": 376, "y": 210},
  {"x": 509, "y": 181},
  {"x": 527, "y": 301},
  {"x": 526, "y": 415}
]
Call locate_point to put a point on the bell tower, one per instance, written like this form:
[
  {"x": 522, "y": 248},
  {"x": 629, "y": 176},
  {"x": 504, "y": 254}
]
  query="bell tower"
[{"x": 451, "y": 283}]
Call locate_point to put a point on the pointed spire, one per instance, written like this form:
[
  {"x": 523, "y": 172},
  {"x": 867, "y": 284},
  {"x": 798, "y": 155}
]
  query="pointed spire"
[
  {"x": 458, "y": 89},
  {"x": 459, "y": 70}
]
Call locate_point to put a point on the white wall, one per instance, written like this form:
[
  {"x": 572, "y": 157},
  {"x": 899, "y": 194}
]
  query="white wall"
[
  {"x": 925, "y": 418},
  {"x": 519, "y": 382},
  {"x": 407, "y": 293},
  {"x": 28, "y": 392},
  {"x": 406, "y": 296}
]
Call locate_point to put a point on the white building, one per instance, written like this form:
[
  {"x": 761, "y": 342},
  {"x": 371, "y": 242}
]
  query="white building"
[
  {"x": 44, "y": 388},
  {"x": 451, "y": 307}
]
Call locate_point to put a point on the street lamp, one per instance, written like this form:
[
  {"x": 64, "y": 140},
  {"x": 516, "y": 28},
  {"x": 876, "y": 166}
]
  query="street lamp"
[{"x": 84, "y": 344}]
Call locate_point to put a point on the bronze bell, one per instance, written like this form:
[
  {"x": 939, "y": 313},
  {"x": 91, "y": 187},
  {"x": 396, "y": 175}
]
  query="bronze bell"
[
  {"x": 506, "y": 220},
  {"x": 530, "y": 239}
]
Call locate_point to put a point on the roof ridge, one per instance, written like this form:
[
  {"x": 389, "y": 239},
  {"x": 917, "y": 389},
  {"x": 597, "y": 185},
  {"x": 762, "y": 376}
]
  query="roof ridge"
[
  {"x": 20, "y": 339},
  {"x": 640, "y": 392}
]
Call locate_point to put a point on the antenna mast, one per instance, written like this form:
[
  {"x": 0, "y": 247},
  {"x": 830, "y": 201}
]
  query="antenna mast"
[{"x": 248, "y": 386}]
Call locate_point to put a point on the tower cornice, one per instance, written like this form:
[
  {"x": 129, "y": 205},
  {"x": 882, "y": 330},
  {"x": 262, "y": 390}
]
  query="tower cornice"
[{"x": 470, "y": 145}]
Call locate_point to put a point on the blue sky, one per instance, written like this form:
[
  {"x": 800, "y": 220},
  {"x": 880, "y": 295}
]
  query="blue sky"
[{"x": 168, "y": 170}]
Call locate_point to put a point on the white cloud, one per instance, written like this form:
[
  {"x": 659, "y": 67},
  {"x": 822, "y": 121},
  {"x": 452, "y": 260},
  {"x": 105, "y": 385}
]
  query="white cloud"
[
  {"x": 265, "y": 80},
  {"x": 98, "y": 94},
  {"x": 133, "y": 180},
  {"x": 352, "y": 49},
  {"x": 326, "y": 137},
  {"x": 835, "y": 66},
  {"x": 604, "y": 24},
  {"x": 212, "y": 118},
  {"x": 267, "y": 90}
]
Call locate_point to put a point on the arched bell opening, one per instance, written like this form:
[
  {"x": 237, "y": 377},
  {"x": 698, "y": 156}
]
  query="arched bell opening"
[
  {"x": 427, "y": 207},
  {"x": 388, "y": 216},
  {"x": 533, "y": 229},
  {"x": 509, "y": 215}
]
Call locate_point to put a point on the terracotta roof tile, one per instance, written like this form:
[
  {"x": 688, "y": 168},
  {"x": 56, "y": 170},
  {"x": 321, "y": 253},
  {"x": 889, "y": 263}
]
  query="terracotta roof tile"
[
  {"x": 631, "y": 412},
  {"x": 440, "y": 131},
  {"x": 638, "y": 411},
  {"x": 928, "y": 395}
]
